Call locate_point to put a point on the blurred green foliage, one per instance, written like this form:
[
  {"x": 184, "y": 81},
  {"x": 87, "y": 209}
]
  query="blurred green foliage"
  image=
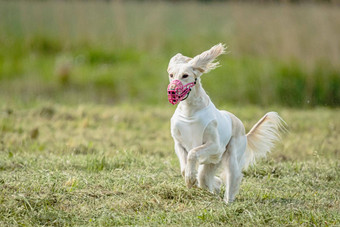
[{"x": 119, "y": 51}]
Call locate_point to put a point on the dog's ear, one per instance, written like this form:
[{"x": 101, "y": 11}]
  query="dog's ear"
[
  {"x": 205, "y": 61},
  {"x": 178, "y": 59}
]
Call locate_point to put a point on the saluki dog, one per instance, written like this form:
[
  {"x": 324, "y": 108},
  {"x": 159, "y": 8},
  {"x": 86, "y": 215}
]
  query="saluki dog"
[{"x": 208, "y": 141}]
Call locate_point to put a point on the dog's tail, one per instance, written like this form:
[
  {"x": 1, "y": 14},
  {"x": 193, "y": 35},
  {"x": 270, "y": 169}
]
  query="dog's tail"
[{"x": 262, "y": 137}]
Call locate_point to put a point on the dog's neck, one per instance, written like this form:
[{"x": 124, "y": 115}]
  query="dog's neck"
[{"x": 197, "y": 100}]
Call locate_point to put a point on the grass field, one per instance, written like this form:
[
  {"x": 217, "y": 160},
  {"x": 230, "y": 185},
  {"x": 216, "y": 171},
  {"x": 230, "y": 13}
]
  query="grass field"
[
  {"x": 102, "y": 165},
  {"x": 84, "y": 117}
]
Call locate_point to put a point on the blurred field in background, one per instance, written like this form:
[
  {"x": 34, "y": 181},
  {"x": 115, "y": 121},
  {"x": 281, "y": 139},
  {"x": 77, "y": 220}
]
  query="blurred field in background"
[{"x": 118, "y": 51}]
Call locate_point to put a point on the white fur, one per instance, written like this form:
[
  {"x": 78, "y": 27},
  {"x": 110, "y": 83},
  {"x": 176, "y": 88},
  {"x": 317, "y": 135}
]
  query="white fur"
[
  {"x": 200, "y": 165},
  {"x": 262, "y": 137}
]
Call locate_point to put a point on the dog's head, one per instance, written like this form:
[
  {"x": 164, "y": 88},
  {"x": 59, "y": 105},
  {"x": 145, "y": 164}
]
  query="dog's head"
[{"x": 186, "y": 69}]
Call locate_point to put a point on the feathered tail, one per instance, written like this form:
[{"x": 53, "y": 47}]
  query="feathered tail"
[{"x": 262, "y": 137}]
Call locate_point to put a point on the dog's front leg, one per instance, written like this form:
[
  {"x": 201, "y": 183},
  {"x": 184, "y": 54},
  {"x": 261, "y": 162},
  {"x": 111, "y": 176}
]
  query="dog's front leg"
[
  {"x": 207, "y": 153},
  {"x": 198, "y": 155},
  {"x": 182, "y": 156}
]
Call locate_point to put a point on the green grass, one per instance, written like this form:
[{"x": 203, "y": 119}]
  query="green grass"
[{"x": 102, "y": 165}]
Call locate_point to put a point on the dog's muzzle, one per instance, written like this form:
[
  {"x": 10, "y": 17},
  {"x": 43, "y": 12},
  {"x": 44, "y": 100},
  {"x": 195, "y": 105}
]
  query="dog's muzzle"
[{"x": 178, "y": 92}]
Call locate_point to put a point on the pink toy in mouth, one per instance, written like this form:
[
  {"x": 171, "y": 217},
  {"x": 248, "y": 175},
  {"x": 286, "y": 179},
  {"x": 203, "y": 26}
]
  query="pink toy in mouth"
[{"x": 178, "y": 92}]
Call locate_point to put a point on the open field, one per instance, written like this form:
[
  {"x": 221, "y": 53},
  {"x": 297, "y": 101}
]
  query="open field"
[
  {"x": 103, "y": 165},
  {"x": 84, "y": 117}
]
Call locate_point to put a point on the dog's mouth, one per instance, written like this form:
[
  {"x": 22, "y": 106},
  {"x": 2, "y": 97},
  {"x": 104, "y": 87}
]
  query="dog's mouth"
[{"x": 178, "y": 92}]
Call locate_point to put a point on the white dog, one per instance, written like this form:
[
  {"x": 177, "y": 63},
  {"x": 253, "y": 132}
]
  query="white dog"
[{"x": 208, "y": 140}]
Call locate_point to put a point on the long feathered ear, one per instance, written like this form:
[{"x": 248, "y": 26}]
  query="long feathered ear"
[
  {"x": 178, "y": 59},
  {"x": 205, "y": 61}
]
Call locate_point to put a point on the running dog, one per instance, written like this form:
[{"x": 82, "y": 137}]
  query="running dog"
[{"x": 208, "y": 141}]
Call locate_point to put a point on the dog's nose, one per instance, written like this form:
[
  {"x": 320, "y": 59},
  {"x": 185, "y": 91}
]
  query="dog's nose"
[{"x": 173, "y": 86}]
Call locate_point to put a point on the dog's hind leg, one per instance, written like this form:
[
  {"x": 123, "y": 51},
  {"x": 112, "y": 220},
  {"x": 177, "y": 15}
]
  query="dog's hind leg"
[
  {"x": 232, "y": 168},
  {"x": 207, "y": 179}
]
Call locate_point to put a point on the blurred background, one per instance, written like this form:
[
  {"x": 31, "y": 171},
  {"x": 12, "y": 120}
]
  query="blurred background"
[{"x": 280, "y": 52}]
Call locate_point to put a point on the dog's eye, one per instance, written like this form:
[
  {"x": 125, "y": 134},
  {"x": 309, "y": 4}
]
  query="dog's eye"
[
  {"x": 171, "y": 75},
  {"x": 185, "y": 76}
]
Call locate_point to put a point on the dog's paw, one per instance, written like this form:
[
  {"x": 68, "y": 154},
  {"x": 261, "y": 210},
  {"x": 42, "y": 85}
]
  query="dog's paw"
[
  {"x": 217, "y": 185},
  {"x": 228, "y": 200},
  {"x": 191, "y": 180}
]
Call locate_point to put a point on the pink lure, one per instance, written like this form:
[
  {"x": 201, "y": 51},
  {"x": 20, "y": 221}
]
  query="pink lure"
[{"x": 178, "y": 92}]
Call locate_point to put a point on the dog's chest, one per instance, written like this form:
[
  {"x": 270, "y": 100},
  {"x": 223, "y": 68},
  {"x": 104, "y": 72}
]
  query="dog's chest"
[{"x": 189, "y": 130}]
